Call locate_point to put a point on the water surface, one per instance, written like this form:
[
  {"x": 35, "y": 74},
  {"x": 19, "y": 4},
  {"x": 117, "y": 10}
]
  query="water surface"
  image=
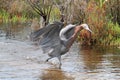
[{"x": 21, "y": 60}]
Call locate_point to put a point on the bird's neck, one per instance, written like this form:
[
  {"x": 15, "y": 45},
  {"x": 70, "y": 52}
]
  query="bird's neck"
[
  {"x": 74, "y": 36},
  {"x": 77, "y": 30}
]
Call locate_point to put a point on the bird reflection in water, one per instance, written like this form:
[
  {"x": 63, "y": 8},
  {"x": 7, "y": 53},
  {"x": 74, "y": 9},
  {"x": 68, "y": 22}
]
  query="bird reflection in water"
[{"x": 54, "y": 74}]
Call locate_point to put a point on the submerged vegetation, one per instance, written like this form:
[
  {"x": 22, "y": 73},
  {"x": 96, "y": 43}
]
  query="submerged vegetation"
[{"x": 103, "y": 16}]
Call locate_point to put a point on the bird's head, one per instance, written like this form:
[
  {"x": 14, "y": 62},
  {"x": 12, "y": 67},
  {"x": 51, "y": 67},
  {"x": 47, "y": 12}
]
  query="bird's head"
[{"x": 85, "y": 26}]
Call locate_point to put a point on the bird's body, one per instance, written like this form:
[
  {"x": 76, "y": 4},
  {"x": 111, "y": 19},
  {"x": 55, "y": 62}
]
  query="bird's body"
[{"x": 57, "y": 40}]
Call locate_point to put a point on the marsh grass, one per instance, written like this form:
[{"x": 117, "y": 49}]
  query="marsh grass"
[
  {"x": 5, "y": 18},
  {"x": 105, "y": 32},
  {"x": 55, "y": 14}
]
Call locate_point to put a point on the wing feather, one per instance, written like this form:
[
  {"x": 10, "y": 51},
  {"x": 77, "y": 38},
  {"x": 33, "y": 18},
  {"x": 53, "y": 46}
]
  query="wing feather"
[{"x": 50, "y": 38}]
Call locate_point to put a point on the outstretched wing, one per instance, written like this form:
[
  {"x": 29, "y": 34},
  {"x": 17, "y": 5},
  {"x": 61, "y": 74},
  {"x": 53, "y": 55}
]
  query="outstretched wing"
[
  {"x": 50, "y": 36},
  {"x": 35, "y": 35}
]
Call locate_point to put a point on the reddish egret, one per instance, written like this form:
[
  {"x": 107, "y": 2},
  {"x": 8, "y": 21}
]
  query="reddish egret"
[{"x": 57, "y": 40}]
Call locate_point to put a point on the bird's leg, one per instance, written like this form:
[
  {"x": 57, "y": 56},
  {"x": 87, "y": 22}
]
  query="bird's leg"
[
  {"x": 48, "y": 59},
  {"x": 59, "y": 62}
]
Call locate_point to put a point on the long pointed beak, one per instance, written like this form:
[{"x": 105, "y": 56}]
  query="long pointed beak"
[
  {"x": 85, "y": 26},
  {"x": 89, "y": 30}
]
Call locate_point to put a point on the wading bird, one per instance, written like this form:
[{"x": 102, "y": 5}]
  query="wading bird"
[{"x": 57, "y": 40}]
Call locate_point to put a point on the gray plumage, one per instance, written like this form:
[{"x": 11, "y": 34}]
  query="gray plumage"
[
  {"x": 50, "y": 41},
  {"x": 55, "y": 39}
]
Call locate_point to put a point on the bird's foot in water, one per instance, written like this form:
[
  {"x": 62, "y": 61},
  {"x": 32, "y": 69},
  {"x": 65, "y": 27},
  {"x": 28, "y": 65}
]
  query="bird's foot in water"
[
  {"x": 60, "y": 64},
  {"x": 47, "y": 59},
  {"x": 54, "y": 62},
  {"x": 59, "y": 67}
]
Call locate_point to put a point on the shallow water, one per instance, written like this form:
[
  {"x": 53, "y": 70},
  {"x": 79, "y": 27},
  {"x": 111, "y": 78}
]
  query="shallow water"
[{"x": 20, "y": 60}]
